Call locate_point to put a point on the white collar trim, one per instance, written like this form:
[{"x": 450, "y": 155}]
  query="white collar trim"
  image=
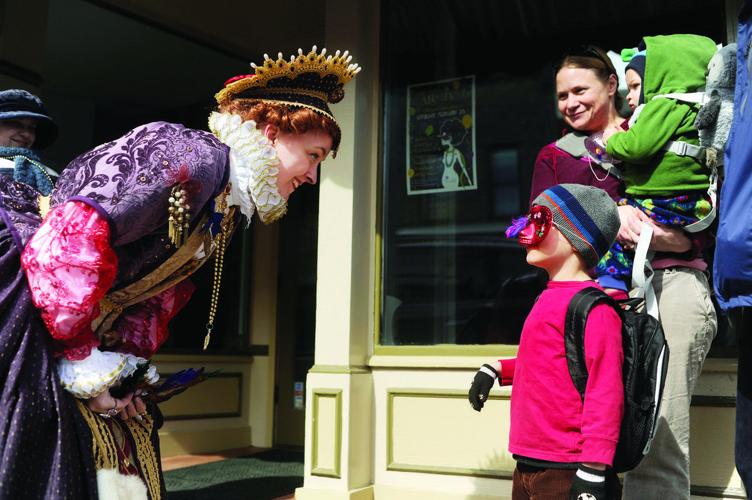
[{"x": 254, "y": 167}]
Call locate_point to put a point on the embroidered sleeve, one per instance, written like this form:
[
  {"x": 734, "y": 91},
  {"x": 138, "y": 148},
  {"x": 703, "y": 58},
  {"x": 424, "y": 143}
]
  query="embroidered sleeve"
[
  {"x": 70, "y": 266},
  {"x": 142, "y": 328}
]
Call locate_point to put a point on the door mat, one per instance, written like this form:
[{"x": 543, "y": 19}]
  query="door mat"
[{"x": 261, "y": 476}]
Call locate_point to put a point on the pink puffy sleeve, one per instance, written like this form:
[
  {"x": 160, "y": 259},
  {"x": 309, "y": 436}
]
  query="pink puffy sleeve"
[
  {"x": 70, "y": 266},
  {"x": 142, "y": 328}
]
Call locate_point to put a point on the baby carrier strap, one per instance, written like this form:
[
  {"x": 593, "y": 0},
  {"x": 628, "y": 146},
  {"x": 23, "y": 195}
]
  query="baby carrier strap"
[
  {"x": 574, "y": 144},
  {"x": 688, "y": 97}
]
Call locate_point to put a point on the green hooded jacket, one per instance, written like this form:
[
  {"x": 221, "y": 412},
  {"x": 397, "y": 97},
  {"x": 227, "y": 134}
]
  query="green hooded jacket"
[{"x": 673, "y": 63}]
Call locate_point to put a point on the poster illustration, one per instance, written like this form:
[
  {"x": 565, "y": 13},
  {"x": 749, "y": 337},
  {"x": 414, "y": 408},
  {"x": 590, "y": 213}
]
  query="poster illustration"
[{"x": 441, "y": 136}]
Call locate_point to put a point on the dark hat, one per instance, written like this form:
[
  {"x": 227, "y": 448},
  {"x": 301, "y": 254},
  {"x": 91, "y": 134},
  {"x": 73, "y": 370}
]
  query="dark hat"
[
  {"x": 585, "y": 215},
  {"x": 18, "y": 103},
  {"x": 637, "y": 63},
  {"x": 312, "y": 80}
]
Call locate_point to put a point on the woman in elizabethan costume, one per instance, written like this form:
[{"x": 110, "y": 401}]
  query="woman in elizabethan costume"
[{"x": 90, "y": 277}]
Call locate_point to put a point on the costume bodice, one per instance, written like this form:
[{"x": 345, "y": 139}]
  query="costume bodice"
[{"x": 130, "y": 179}]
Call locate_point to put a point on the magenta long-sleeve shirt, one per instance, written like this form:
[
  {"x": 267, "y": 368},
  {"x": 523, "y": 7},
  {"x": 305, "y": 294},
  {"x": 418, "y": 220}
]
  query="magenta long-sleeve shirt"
[{"x": 549, "y": 420}]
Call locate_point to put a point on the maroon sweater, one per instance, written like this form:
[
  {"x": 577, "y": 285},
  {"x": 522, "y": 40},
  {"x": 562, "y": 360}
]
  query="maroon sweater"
[{"x": 555, "y": 166}]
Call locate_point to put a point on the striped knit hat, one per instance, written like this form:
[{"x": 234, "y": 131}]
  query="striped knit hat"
[{"x": 585, "y": 215}]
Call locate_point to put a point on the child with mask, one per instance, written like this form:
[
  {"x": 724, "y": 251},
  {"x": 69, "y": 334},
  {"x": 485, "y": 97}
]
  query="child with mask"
[{"x": 563, "y": 444}]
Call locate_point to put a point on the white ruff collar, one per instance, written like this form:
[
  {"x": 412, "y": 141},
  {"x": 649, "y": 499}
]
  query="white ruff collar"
[{"x": 254, "y": 167}]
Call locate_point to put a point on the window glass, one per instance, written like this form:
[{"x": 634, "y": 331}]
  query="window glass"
[{"x": 468, "y": 103}]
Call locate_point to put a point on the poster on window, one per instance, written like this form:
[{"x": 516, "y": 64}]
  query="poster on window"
[{"x": 441, "y": 136}]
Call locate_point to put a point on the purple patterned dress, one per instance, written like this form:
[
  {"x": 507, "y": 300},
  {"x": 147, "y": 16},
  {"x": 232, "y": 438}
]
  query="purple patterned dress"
[
  {"x": 45, "y": 448},
  {"x": 40, "y": 452}
]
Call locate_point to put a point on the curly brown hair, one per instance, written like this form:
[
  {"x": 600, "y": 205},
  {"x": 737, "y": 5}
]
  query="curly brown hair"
[{"x": 288, "y": 119}]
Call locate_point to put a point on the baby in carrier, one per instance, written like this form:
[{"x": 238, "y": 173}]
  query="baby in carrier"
[{"x": 663, "y": 165}]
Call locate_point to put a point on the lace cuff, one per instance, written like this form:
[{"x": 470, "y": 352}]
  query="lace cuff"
[
  {"x": 70, "y": 266},
  {"x": 89, "y": 377}
]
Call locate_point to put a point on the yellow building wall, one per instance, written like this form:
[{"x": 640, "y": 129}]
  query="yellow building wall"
[
  {"x": 212, "y": 416},
  {"x": 430, "y": 443},
  {"x": 404, "y": 429}
]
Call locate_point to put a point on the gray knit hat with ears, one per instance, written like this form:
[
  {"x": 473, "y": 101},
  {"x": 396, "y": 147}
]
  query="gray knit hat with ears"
[{"x": 585, "y": 215}]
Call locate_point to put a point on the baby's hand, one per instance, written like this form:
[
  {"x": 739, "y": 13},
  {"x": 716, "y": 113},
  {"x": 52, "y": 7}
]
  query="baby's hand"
[{"x": 610, "y": 130}]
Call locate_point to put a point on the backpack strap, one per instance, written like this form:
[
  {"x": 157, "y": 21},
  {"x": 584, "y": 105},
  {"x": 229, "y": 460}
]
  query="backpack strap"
[
  {"x": 574, "y": 333},
  {"x": 573, "y": 143}
]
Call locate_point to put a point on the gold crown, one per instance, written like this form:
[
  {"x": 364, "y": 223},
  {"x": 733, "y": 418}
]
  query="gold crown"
[{"x": 282, "y": 76}]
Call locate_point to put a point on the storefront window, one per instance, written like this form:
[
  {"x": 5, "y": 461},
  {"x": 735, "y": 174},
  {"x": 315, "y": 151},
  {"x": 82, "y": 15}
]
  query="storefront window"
[{"x": 468, "y": 103}]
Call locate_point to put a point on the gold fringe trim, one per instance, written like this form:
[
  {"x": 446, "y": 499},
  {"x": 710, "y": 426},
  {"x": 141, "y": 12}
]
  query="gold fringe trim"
[
  {"x": 44, "y": 205},
  {"x": 175, "y": 269},
  {"x": 145, "y": 454},
  {"x": 102, "y": 441}
]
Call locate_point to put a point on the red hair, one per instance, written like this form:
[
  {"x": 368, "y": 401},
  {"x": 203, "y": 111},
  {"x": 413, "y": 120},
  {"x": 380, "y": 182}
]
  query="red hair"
[{"x": 290, "y": 119}]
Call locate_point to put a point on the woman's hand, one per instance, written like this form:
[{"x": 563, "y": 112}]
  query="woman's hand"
[
  {"x": 134, "y": 409},
  {"x": 105, "y": 404},
  {"x": 669, "y": 239},
  {"x": 631, "y": 220},
  {"x": 665, "y": 239}
]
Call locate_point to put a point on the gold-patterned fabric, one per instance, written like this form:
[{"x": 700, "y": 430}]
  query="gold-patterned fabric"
[{"x": 107, "y": 433}]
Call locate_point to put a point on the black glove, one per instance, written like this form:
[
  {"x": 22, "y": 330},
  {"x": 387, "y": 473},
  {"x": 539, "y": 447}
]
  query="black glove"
[
  {"x": 481, "y": 386},
  {"x": 588, "y": 484}
]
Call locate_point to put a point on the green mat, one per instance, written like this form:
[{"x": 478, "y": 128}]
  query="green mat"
[{"x": 262, "y": 476}]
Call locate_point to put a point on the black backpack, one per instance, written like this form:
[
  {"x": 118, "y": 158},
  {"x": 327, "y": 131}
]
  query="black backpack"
[{"x": 644, "y": 369}]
